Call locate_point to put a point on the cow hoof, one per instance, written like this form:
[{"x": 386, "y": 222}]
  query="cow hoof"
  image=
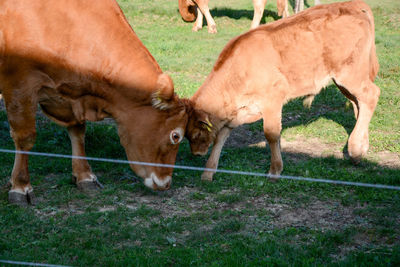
[
  {"x": 273, "y": 178},
  {"x": 196, "y": 28},
  {"x": 89, "y": 186},
  {"x": 21, "y": 199},
  {"x": 212, "y": 29},
  {"x": 355, "y": 160},
  {"x": 207, "y": 176}
]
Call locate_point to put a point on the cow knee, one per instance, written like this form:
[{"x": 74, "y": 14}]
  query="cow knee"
[
  {"x": 272, "y": 132},
  {"x": 24, "y": 140}
]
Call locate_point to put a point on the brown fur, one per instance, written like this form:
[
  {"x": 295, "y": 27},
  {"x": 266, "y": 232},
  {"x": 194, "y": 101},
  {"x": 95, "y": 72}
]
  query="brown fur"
[
  {"x": 259, "y": 71},
  {"x": 79, "y": 65},
  {"x": 188, "y": 10}
]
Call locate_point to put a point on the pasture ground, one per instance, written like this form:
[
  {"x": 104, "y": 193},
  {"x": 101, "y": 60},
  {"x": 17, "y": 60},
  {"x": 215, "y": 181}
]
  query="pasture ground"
[{"x": 236, "y": 220}]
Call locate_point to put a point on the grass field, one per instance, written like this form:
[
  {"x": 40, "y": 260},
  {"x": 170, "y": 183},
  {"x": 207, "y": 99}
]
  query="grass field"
[{"x": 235, "y": 220}]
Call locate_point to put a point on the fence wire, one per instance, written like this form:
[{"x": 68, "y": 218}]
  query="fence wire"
[
  {"x": 118, "y": 161},
  {"x": 23, "y": 263},
  {"x": 286, "y": 177}
]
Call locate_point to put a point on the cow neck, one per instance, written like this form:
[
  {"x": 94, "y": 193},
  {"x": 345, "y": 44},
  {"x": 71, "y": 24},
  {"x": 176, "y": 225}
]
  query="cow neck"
[
  {"x": 127, "y": 63},
  {"x": 133, "y": 69},
  {"x": 213, "y": 98},
  {"x": 105, "y": 48}
]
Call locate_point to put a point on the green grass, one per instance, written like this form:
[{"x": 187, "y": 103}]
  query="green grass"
[{"x": 236, "y": 220}]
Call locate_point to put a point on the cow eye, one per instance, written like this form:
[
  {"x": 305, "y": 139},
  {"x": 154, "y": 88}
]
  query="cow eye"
[{"x": 176, "y": 136}]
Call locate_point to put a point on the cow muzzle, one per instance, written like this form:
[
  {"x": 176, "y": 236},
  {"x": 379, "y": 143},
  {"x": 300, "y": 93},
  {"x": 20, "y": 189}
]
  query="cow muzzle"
[
  {"x": 197, "y": 150},
  {"x": 200, "y": 152},
  {"x": 155, "y": 183}
]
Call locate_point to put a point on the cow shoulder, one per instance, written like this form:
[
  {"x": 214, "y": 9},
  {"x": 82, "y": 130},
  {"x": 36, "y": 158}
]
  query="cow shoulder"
[{"x": 85, "y": 103}]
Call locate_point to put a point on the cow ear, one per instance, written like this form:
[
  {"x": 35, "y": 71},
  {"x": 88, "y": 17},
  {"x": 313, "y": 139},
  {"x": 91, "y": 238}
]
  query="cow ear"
[
  {"x": 163, "y": 98},
  {"x": 204, "y": 120},
  {"x": 90, "y": 108}
]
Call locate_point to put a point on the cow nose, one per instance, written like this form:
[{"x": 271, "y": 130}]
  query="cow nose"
[
  {"x": 168, "y": 185},
  {"x": 155, "y": 183},
  {"x": 200, "y": 153},
  {"x": 163, "y": 188}
]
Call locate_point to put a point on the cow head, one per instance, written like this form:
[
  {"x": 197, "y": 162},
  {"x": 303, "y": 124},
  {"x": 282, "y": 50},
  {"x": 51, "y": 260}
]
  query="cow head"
[
  {"x": 200, "y": 132},
  {"x": 152, "y": 133},
  {"x": 188, "y": 10}
]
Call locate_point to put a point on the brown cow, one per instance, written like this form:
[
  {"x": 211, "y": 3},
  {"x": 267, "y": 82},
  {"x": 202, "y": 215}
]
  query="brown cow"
[
  {"x": 191, "y": 10},
  {"x": 259, "y": 71},
  {"x": 80, "y": 60}
]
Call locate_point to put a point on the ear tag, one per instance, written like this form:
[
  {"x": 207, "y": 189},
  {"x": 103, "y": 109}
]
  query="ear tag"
[{"x": 209, "y": 123}]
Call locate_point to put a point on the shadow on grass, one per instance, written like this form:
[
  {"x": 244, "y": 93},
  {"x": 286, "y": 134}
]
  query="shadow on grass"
[
  {"x": 248, "y": 14},
  {"x": 242, "y": 13},
  {"x": 329, "y": 104}
]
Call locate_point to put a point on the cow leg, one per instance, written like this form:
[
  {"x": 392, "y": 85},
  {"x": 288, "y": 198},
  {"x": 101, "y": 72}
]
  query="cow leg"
[
  {"x": 272, "y": 131},
  {"x": 350, "y": 97},
  {"x": 299, "y": 6},
  {"x": 259, "y": 6},
  {"x": 283, "y": 8},
  {"x": 366, "y": 100},
  {"x": 355, "y": 108},
  {"x": 21, "y": 111},
  {"x": 203, "y": 6},
  {"x": 81, "y": 171},
  {"x": 198, "y": 24},
  {"x": 212, "y": 162}
]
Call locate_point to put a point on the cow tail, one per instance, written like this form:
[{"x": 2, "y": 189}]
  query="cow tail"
[{"x": 188, "y": 10}]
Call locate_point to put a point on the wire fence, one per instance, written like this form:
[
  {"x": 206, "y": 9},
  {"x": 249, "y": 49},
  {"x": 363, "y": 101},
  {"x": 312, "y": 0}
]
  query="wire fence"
[
  {"x": 192, "y": 168},
  {"x": 23, "y": 263}
]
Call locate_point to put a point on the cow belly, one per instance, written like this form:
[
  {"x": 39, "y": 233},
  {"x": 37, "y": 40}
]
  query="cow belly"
[
  {"x": 247, "y": 114},
  {"x": 315, "y": 88},
  {"x": 56, "y": 107}
]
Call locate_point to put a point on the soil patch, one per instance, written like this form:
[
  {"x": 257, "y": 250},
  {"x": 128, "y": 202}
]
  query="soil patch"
[
  {"x": 242, "y": 136},
  {"x": 281, "y": 213}
]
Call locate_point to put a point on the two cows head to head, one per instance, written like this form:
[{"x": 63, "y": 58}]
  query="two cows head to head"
[{"x": 72, "y": 85}]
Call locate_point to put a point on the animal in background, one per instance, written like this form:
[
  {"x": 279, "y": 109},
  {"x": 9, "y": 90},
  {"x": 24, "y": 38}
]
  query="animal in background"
[
  {"x": 262, "y": 69},
  {"x": 80, "y": 66},
  {"x": 299, "y": 5},
  {"x": 194, "y": 10}
]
